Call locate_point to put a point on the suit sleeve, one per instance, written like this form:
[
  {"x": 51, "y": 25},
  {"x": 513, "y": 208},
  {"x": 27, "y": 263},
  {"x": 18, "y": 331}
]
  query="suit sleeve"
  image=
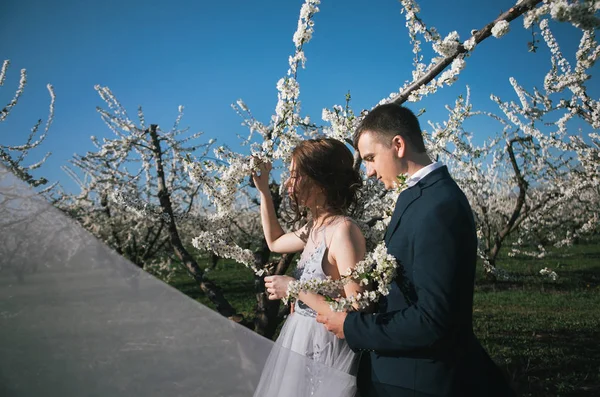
[{"x": 440, "y": 265}]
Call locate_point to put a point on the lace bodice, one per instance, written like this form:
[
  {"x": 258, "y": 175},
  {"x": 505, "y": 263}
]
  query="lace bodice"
[{"x": 310, "y": 265}]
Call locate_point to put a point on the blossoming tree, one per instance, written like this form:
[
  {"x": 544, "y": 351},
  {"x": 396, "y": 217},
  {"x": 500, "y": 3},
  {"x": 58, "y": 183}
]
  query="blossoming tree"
[
  {"x": 13, "y": 156},
  {"x": 536, "y": 180},
  {"x": 136, "y": 196},
  {"x": 521, "y": 152}
]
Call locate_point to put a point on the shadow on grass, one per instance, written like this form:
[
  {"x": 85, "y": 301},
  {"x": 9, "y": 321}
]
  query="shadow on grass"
[
  {"x": 589, "y": 278},
  {"x": 563, "y": 362}
]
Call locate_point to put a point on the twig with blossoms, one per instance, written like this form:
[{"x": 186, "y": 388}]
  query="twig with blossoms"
[
  {"x": 378, "y": 268},
  {"x": 12, "y": 157},
  {"x": 453, "y": 53}
]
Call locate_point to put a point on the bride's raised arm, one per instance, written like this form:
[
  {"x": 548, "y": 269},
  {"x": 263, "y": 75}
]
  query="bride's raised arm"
[{"x": 277, "y": 240}]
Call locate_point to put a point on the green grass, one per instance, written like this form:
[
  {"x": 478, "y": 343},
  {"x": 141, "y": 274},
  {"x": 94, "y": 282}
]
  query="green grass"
[
  {"x": 235, "y": 280},
  {"x": 544, "y": 334}
]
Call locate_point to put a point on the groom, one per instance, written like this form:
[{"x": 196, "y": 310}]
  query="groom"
[{"x": 420, "y": 342}]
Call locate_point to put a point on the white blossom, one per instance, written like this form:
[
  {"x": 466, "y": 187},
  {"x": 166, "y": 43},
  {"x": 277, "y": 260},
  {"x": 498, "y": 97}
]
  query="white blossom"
[
  {"x": 500, "y": 29},
  {"x": 549, "y": 273},
  {"x": 470, "y": 44}
]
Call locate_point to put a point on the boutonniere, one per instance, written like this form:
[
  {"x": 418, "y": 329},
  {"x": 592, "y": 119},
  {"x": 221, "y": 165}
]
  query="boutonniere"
[{"x": 401, "y": 183}]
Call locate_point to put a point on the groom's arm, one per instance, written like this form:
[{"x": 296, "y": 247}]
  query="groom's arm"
[{"x": 442, "y": 275}]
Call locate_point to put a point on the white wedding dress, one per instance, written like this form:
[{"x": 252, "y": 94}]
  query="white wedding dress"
[{"x": 307, "y": 360}]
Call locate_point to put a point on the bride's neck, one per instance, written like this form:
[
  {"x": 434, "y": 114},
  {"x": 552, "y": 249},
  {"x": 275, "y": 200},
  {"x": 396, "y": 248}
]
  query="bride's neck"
[
  {"x": 318, "y": 211},
  {"x": 320, "y": 216}
]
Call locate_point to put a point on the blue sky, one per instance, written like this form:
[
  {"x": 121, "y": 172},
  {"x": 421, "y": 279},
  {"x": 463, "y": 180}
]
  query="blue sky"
[{"x": 207, "y": 54}]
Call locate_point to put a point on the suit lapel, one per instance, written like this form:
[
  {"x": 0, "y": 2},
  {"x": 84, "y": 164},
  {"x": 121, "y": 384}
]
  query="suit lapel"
[
  {"x": 411, "y": 194},
  {"x": 404, "y": 200}
]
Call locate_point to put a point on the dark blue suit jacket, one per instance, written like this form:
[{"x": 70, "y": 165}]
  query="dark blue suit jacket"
[{"x": 421, "y": 341}]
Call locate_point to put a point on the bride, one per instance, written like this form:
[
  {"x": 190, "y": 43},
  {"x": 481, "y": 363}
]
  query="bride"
[{"x": 306, "y": 359}]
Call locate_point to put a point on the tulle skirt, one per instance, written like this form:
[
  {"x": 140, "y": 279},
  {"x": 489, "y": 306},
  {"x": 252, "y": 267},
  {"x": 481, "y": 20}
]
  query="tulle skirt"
[{"x": 308, "y": 360}]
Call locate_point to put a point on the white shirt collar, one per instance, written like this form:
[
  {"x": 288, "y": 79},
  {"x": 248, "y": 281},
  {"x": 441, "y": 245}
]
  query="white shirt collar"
[{"x": 422, "y": 173}]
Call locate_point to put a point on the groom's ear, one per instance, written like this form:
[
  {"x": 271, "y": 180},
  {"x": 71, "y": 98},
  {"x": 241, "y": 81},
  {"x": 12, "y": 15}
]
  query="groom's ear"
[{"x": 399, "y": 145}]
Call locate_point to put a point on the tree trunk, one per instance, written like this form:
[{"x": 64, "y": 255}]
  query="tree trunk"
[
  {"x": 268, "y": 316},
  {"x": 210, "y": 290}
]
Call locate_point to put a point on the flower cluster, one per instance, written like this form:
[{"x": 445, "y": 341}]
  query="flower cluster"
[
  {"x": 581, "y": 14},
  {"x": 305, "y": 25},
  {"x": 448, "y": 46},
  {"x": 207, "y": 241},
  {"x": 342, "y": 120},
  {"x": 497, "y": 272},
  {"x": 549, "y": 273},
  {"x": 377, "y": 269},
  {"x": 470, "y": 44},
  {"x": 500, "y": 29}
]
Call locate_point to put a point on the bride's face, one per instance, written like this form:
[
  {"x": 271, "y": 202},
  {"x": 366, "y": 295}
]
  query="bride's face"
[{"x": 297, "y": 186}]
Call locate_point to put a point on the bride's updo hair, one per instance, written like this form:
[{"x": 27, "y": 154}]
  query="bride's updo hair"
[{"x": 327, "y": 165}]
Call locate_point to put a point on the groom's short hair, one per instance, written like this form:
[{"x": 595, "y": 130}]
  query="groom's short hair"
[{"x": 387, "y": 121}]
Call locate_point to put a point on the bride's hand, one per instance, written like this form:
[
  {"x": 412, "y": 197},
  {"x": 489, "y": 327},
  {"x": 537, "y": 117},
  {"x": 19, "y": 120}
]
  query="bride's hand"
[
  {"x": 261, "y": 181},
  {"x": 276, "y": 286}
]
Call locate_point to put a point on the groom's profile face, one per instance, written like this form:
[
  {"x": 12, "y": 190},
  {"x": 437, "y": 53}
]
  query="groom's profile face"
[{"x": 381, "y": 159}]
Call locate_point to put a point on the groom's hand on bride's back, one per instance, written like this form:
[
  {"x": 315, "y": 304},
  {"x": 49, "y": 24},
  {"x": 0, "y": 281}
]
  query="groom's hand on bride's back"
[{"x": 333, "y": 321}]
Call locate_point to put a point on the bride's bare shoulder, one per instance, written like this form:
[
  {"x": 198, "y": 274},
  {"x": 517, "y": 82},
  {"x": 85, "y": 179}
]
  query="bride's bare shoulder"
[{"x": 346, "y": 231}]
